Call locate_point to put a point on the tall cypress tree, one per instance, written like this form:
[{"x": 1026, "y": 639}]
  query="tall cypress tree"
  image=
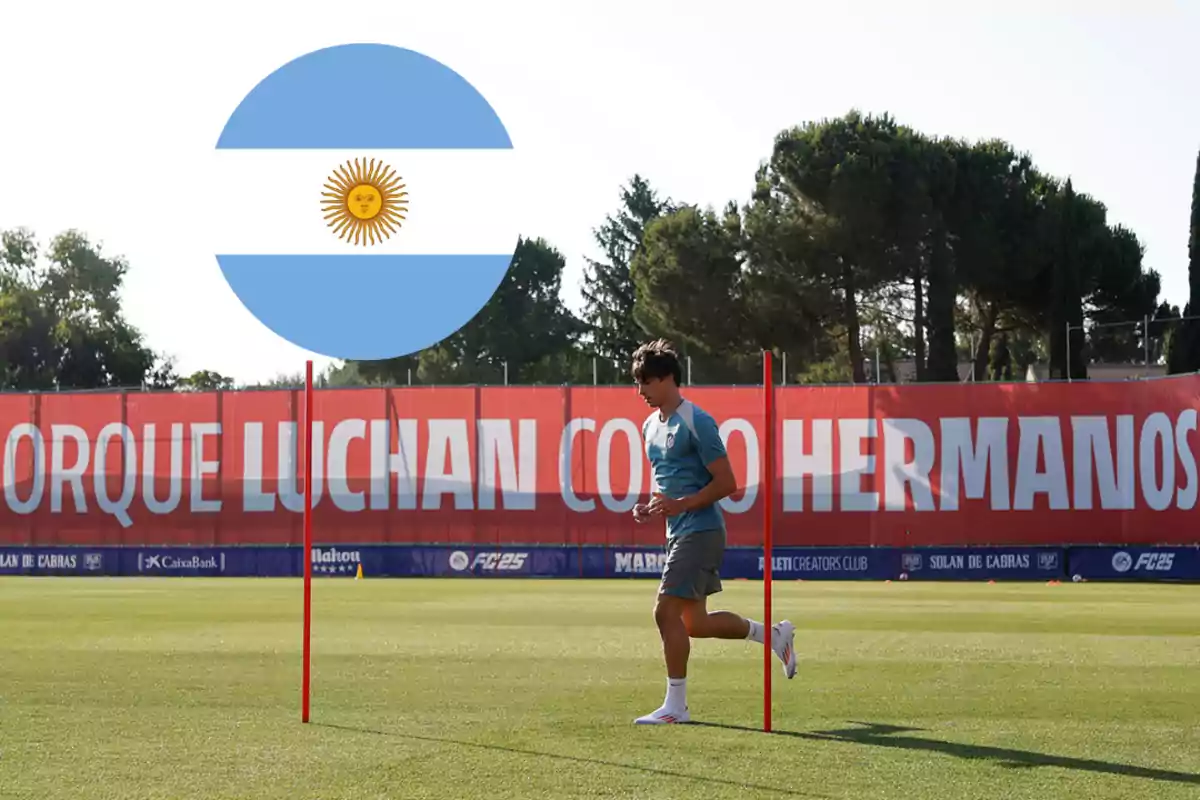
[
  {"x": 608, "y": 290},
  {"x": 1184, "y": 355},
  {"x": 1193, "y": 340}
]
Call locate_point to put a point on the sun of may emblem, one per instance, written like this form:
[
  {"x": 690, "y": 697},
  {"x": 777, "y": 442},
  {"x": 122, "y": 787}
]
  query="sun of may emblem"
[{"x": 365, "y": 202}]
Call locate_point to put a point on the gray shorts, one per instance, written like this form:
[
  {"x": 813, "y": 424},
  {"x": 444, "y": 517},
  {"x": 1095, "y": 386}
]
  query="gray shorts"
[{"x": 693, "y": 568}]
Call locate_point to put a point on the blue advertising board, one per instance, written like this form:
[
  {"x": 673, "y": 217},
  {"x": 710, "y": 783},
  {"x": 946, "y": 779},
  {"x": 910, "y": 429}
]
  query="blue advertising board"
[
  {"x": 982, "y": 563},
  {"x": 481, "y": 561},
  {"x": 788, "y": 563},
  {"x": 1135, "y": 563},
  {"x": 814, "y": 563},
  {"x": 57, "y": 561}
]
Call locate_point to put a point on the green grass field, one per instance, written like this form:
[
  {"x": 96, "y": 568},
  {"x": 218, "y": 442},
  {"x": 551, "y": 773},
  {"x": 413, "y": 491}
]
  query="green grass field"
[{"x": 190, "y": 688}]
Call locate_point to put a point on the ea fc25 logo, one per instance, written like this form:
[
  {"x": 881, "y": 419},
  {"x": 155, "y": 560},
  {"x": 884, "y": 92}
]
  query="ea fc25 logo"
[
  {"x": 1150, "y": 562},
  {"x": 488, "y": 561},
  {"x": 361, "y": 201}
]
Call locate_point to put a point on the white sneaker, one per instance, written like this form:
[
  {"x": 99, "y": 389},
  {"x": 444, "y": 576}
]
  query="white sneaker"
[
  {"x": 783, "y": 642},
  {"x": 663, "y": 716}
]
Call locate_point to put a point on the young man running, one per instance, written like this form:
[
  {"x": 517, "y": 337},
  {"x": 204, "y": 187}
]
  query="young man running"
[{"x": 691, "y": 473}]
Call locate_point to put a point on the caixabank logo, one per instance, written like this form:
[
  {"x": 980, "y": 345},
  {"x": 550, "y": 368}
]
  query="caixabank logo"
[
  {"x": 360, "y": 201},
  {"x": 168, "y": 563}
]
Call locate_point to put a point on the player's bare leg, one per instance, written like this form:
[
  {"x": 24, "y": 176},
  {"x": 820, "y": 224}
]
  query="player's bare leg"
[
  {"x": 680, "y": 620},
  {"x": 669, "y": 614},
  {"x": 677, "y": 646},
  {"x": 704, "y": 624}
]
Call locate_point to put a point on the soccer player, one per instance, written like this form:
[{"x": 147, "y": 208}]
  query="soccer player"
[{"x": 691, "y": 474}]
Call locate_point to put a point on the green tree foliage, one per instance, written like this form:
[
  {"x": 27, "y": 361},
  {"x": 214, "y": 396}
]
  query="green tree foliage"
[
  {"x": 863, "y": 234},
  {"x": 608, "y": 286},
  {"x": 205, "y": 380},
  {"x": 865, "y": 248},
  {"x": 61, "y": 322},
  {"x": 993, "y": 214},
  {"x": 840, "y": 173},
  {"x": 524, "y": 326},
  {"x": 691, "y": 288}
]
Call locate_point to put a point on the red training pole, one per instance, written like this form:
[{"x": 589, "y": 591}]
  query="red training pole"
[
  {"x": 768, "y": 480},
  {"x": 308, "y": 472}
]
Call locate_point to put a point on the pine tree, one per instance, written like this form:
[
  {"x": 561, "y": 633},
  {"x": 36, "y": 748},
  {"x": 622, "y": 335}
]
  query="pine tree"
[
  {"x": 1066, "y": 353},
  {"x": 607, "y": 287}
]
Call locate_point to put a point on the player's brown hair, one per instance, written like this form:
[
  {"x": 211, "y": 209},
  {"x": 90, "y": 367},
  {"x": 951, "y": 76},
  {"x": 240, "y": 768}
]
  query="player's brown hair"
[{"x": 657, "y": 359}]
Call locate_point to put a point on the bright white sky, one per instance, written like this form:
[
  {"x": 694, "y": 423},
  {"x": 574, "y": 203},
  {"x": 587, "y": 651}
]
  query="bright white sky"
[{"x": 110, "y": 109}]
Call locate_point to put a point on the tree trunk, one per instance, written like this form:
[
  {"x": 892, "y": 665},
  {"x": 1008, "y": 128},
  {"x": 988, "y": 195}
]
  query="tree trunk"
[
  {"x": 943, "y": 353},
  {"x": 851, "y": 311},
  {"x": 919, "y": 318},
  {"x": 987, "y": 316}
]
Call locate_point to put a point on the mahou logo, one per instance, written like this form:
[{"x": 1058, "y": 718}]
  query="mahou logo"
[
  {"x": 332, "y": 561},
  {"x": 332, "y": 555}
]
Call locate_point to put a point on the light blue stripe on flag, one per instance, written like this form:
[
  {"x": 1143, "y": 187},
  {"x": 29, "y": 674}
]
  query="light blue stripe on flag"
[
  {"x": 366, "y": 95},
  {"x": 319, "y": 303}
]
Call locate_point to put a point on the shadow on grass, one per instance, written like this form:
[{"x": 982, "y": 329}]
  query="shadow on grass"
[
  {"x": 575, "y": 759},
  {"x": 879, "y": 735}
]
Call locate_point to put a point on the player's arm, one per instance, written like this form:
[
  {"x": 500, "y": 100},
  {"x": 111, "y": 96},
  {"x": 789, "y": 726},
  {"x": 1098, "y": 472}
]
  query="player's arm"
[
  {"x": 642, "y": 511},
  {"x": 723, "y": 483}
]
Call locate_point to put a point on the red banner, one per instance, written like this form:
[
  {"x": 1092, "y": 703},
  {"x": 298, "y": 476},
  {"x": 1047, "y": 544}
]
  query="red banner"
[{"x": 969, "y": 464}]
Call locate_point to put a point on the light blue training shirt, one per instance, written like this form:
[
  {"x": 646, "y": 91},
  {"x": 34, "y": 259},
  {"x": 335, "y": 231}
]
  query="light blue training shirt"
[{"x": 679, "y": 450}]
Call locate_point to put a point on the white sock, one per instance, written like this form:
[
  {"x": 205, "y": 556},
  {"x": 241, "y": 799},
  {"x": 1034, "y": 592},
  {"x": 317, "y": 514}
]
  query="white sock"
[
  {"x": 676, "y": 694},
  {"x": 757, "y": 632}
]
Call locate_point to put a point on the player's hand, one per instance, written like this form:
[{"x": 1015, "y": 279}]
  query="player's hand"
[
  {"x": 663, "y": 506},
  {"x": 641, "y": 513}
]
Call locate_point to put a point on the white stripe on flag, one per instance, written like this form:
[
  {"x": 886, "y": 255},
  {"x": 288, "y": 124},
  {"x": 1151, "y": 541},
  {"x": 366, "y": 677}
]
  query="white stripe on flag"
[{"x": 459, "y": 202}]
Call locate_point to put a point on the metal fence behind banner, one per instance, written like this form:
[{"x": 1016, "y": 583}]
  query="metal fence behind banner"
[
  {"x": 1129, "y": 349},
  {"x": 1112, "y": 352}
]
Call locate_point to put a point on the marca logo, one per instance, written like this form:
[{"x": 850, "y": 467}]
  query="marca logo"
[
  {"x": 93, "y": 561},
  {"x": 1047, "y": 560},
  {"x": 500, "y": 562},
  {"x": 640, "y": 563},
  {"x": 910, "y": 561}
]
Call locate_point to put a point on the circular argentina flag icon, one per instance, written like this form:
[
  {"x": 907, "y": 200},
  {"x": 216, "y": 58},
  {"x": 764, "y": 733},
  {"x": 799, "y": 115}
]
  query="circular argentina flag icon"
[{"x": 362, "y": 204}]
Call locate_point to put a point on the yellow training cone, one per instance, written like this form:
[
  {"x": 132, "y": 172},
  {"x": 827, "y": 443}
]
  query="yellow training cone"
[{"x": 358, "y": 575}]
